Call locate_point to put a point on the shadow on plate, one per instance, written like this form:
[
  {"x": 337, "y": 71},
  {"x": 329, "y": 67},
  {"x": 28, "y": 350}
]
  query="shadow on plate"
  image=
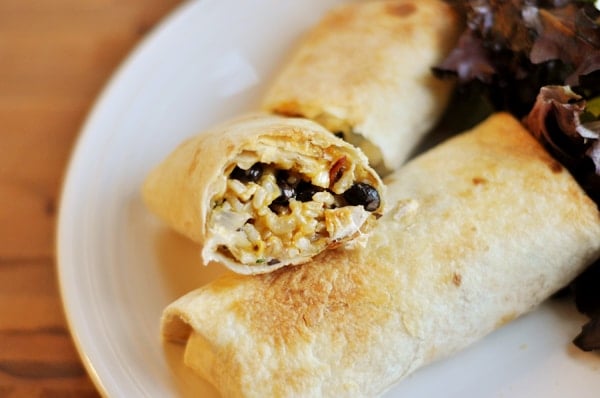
[
  {"x": 180, "y": 264},
  {"x": 188, "y": 384},
  {"x": 182, "y": 271}
]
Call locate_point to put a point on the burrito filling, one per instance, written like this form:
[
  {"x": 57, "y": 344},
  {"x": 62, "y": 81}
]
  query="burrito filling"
[
  {"x": 269, "y": 214},
  {"x": 344, "y": 130}
]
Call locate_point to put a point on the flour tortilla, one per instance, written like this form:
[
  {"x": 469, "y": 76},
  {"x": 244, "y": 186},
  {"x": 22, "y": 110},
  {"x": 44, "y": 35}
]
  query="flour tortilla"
[
  {"x": 365, "y": 70},
  {"x": 480, "y": 230},
  {"x": 188, "y": 186}
]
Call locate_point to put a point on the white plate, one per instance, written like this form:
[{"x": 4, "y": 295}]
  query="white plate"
[{"x": 118, "y": 267}]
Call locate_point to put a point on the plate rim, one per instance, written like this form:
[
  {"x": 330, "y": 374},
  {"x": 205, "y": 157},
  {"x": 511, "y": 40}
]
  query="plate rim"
[
  {"x": 67, "y": 185},
  {"x": 71, "y": 177}
]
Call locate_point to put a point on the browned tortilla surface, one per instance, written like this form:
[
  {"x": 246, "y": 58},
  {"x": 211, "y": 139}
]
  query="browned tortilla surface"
[
  {"x": 480, "y": 230},
  {"x": 365, "y": 70}
]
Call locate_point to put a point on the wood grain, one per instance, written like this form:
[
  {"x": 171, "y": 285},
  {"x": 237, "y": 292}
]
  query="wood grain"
[{"x": 55, "y": 57}]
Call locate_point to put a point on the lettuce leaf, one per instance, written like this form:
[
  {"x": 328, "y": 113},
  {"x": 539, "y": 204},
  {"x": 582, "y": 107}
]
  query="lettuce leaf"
[{"x": 517, "y": 46}]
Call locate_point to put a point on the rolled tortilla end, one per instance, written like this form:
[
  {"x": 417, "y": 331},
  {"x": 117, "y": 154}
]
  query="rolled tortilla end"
[
  {"x": 478, "y": 231},
  {"x": 261, "y": 192},
  {"x": 364, "y": 72}
]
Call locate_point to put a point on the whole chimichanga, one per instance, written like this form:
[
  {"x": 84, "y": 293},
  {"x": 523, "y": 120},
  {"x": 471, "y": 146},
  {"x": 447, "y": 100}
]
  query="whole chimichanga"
[
  {"x": 258, "y": 198},
  {"x": 364, "y": 72},
  {"x": 479, "y": 231}
]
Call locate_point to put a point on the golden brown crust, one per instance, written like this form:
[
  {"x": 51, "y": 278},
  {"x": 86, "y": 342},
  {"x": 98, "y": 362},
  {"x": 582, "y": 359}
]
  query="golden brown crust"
[
  {"x": 366, "y": 68},
  {"x": 480, "y": 230}
]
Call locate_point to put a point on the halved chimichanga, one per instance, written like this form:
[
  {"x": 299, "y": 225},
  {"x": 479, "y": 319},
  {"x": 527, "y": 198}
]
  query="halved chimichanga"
[
  {"x": 478, "y": 231},
  {"x": 364, "y": 72},
  {"x": 262, "y": 191}
]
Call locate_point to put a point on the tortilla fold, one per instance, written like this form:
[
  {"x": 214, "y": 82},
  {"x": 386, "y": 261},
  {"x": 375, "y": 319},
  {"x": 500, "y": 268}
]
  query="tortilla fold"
[
  {"x": 258, "y": 198},
  {"x": 364, "y": 72},
  {"x": 480, "y": 230}
]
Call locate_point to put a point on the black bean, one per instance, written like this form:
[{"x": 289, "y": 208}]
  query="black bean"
[
  {"x": 253, "y": 174},
  {"x": 306, "y": 190},
  {"x": 362, "y": 194},
  {"x": 280, "y": 208},
  {"x": 287, "y": 191},
  {"x": 282, "y": 175},
  {"x": 290, "y": 178}
]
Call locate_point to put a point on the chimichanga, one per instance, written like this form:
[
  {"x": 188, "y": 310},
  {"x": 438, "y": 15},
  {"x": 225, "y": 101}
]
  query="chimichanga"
[
  {"x": 480, "y": 230},
  {"x": 258, "y": 198},
  {"x": 364, "y": 72}
]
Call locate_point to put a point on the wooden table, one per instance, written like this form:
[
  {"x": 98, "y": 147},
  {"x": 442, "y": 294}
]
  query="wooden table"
[{"x": 55, "y": 56}]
